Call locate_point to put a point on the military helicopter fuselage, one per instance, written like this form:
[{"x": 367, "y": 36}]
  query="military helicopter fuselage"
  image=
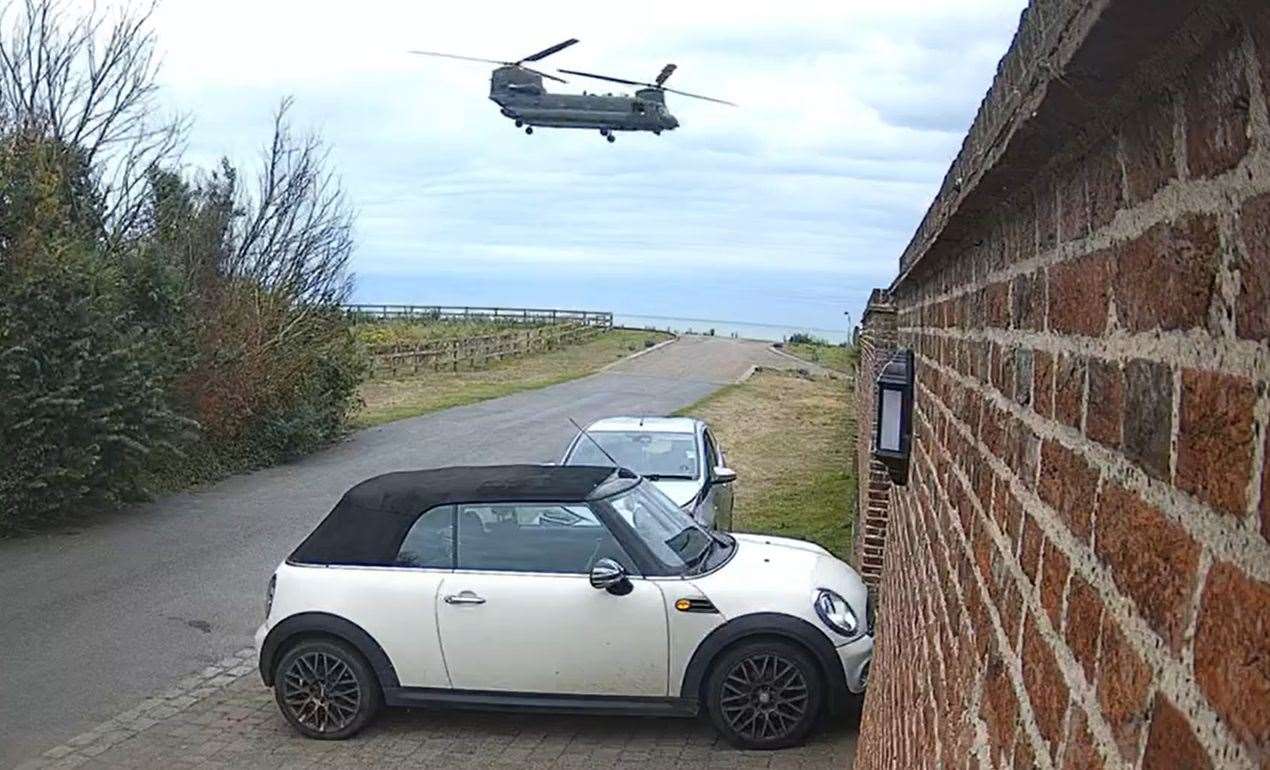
[
  {"x": 518, "y": 91},
  {"x": 522, "y": 97}
]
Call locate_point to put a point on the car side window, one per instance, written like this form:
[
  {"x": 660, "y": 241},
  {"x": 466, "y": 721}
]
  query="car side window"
[
  {"x": 711, "y": 458},
  {"x": 534, "y": 537},
  {"x": 430, "y": 540}
]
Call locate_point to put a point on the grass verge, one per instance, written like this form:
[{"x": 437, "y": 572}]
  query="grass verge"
[
  {"x": 836, "y": 357},
  {"x": 790, "y": 441},
  {"x": 386, "y": 400}
]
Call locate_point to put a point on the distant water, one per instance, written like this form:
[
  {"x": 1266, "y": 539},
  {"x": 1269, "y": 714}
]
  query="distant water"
[{"x": 743, "y": 329}]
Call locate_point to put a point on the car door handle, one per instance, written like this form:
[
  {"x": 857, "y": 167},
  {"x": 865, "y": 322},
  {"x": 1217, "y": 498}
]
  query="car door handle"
[{"x": 467, "y": 597}]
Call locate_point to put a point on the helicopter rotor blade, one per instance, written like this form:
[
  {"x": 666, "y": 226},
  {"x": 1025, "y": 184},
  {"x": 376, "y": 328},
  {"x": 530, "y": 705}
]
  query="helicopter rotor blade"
[
  {"x": 544, "y": 53},
  {"x": 665, "y": 73},
  {"x": 610, "y": 79},
  {"x": 464, "y": 58},
  {"x": 699, "y": 96},
  {"x": 541, "y": 74}
]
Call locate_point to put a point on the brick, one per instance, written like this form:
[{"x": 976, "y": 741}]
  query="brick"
[
  {"x": 1073, "y": 209},
  {"x": 1151, "y": 559},
  {"x": 1252, "y": 305},
  {"x": 1216, "y": 101},
  {"x": 1000, "y": 707},
  {"x": 1123, "y": 684},
  {"x": 1043, "y": 383},
  {"x": 1259, "y": 24},
  {"x": 996, "y": 305},
  {"x": 1171, "y": 744},
  {"x": 1079, "y": 752},
  {"x": 1084, "y": 623},
  {"x": 1024, "y": 757},
  {"x": 1069, "y": 389},
  {"x": 1166, "y": 277},
  {"x": 1022, "y": 376},
  {"x": 1046, "y": 215},
  {"x": 1022, "y": 451},
  {"x": 1106, "y": 190},
  {"x": 1047, "y": 690},
  {"x": 1232, "y": 654},
  {"x": 1027, "y": 301},
  {"x": 1215, "y": 440},
  {"x": 1012, "y": 512},
  {"x": 1020, "y": 230},
  {"x": 1265, "y": 489},
  {"x": 1030, "y": 549},
  {"x": 1054, "y": 570},
  {"x": 1078, "y": 294},
  {"x": 1068, "y": 485},
  {"x": 1002, "y": 373},
  {"x": 1104, "y": 414},
  {"x": 1148, "y": 415},
  {"x": 1147, "y": 141},
  {"x": 1011, "y": 612}
]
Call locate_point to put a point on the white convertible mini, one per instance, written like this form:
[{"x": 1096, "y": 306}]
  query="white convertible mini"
[{"x": 558, "y": 588}]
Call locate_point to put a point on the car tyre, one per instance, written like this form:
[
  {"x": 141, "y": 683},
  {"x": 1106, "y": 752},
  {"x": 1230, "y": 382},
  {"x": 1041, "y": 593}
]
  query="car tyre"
[
  {"x": 764, "y": 695},
  {"x": 325, "y": 689}
]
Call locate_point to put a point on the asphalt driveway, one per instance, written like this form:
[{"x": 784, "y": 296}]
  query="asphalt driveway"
[{"x": 98, "y": 619}]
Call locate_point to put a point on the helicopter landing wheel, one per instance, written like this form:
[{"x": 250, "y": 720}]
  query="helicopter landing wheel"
[
  {"x": 520, "y": 123},
  {"x": 610, "y": 137},
  {"x": 656, "y": 133},
  {"x": 604, "y": 132},
  {"x": 529, "y": 129}
]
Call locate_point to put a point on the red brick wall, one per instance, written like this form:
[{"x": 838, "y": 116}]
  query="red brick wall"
[
  {"x": 1078, "y": 573},
  {"x": 876, "y": 343}
]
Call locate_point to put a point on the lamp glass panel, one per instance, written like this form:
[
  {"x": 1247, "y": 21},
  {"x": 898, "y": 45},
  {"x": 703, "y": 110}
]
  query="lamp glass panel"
[{"x": 889, "y": 435}]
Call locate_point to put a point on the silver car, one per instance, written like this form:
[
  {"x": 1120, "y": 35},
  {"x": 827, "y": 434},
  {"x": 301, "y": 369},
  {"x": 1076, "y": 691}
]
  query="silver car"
[{"x": 678, "y": 454}]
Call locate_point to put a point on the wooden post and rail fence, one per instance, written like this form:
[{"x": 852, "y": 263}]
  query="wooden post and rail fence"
[
  {"x": 548, "y": 329},
  {"x": 507, "y": 315}
]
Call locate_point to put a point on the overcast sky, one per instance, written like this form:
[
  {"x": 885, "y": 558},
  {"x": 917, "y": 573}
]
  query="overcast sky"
[{"x": 785, "y": 210}]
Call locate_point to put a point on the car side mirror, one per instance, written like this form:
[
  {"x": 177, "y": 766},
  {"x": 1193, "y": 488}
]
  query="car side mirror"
[
  {"x": 609, "y": 575},
  {"x": 723, "y": 475}
]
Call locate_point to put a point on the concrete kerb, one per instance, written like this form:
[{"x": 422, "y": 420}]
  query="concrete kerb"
[
  {"x": 161, "y": 705},
  {"x": 638, "y": 353},
  {"x": 810, "y": 366}
]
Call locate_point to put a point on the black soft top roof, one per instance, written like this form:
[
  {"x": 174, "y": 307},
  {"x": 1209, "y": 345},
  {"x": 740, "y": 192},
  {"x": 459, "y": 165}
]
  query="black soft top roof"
[{"x": 368, "y": 524}]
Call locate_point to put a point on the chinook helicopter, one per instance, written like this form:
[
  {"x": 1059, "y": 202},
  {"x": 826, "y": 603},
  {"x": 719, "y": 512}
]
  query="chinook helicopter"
[{"x": 521, "y": 97}]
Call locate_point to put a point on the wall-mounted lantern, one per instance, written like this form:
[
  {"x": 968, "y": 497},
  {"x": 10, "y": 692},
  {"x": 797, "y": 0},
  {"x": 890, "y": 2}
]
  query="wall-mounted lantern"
[{"x": 893, "y": 428}]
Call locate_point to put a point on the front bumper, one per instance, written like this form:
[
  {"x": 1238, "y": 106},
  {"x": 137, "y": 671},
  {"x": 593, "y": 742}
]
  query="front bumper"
[
  {"x": 855, "y": 656},
  {"x": 261, "y": 633}
]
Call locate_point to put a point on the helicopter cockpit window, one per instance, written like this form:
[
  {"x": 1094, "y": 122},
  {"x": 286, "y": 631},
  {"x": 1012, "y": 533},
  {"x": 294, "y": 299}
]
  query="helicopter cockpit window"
[{"x": 639, "y": 107}]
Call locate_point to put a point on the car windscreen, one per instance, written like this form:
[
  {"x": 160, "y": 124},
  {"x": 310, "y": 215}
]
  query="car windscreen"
[
  {"x": 650, "y": 454},
  {"x": 671, "y": 535}
]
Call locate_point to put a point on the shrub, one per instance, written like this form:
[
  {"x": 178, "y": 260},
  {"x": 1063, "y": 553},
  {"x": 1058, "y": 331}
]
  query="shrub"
[
  {"x": 803, "y": 338},
  {"x": 83, "y": 406}
]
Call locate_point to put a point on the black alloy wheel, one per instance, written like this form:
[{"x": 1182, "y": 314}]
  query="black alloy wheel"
[
  {"x": 325, "y": 689},
  {"x": 764, "y": 695}
]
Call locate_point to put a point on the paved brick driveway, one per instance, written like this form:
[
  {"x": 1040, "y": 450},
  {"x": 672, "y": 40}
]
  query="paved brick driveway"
[{"x": 223, "y": 717}]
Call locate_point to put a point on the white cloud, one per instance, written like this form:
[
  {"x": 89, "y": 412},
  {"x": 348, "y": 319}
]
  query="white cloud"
[{"x": 851, "y": 112}]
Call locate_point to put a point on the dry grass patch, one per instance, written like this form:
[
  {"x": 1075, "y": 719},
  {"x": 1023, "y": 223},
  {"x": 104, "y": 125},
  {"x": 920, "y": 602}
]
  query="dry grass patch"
[
  {"x": 840, "y": 358},
  {"x": 790, "y": 441},
  {"x": 385, "y": 400}
]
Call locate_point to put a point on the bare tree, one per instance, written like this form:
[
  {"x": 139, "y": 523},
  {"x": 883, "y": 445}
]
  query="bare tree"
[
  {"x": 88, "y": 81},
  {"x": 295, "y": 235}
]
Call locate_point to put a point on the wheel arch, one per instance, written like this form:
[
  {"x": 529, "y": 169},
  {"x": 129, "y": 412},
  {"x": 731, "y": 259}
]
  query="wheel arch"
[
  {"x": 322, "y": 624},
  {"x": 762, "y": 625}
]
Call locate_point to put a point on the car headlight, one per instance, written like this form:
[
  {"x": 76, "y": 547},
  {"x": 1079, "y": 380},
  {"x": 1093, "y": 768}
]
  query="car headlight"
[
  {"x": 836, "y": 613},
  {"x": 273, "y": 584}
]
